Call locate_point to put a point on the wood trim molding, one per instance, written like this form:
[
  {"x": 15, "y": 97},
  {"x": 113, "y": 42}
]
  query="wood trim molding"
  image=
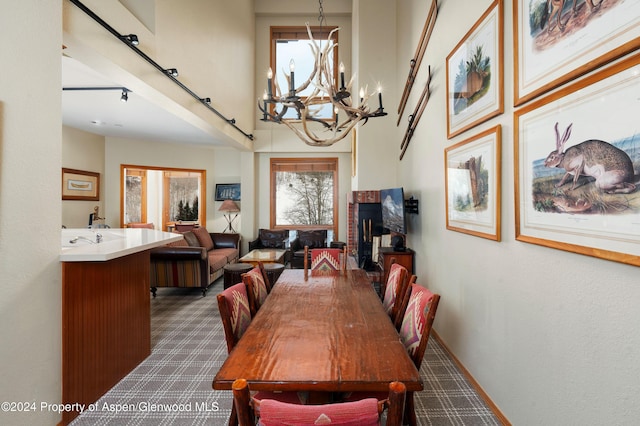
[{"x": 485, "y": 397}]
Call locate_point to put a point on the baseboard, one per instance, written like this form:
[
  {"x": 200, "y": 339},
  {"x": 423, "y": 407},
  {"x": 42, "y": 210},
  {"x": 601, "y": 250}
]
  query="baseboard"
[{"x": 485, "y": 397}]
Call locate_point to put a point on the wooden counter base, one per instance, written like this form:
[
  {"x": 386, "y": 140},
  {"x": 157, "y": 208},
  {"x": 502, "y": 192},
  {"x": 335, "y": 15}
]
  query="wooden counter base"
[{"x": 106, "y": 325}]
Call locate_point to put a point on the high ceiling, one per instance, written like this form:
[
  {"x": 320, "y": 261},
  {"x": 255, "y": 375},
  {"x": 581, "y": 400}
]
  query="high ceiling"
[{"x": 102, "y": 112}]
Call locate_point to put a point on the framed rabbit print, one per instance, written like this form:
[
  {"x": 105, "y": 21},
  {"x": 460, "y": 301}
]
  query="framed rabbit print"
[
  {"x": 556, "y": 41},
  {"x": 577, "y": 166},
  {"x": 475, "y": 79},
  {"x": 472, "y": 185}
]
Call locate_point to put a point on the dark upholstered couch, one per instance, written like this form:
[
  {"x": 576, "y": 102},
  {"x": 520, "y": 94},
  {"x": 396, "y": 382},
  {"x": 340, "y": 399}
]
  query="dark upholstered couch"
[
  {"x": 311, "y": 238},
  {"x": 196, "y": 261}
]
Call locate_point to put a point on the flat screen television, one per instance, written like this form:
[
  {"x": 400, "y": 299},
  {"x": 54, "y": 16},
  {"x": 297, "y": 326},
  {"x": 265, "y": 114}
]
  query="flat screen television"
[{"x": 393, "y": 215}]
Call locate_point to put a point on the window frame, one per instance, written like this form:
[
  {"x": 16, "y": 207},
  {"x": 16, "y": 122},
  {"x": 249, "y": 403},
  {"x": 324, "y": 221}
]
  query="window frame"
[
  {"x": 292, "y": 32},
  {"x": 202, "y": 195},
  {"x": 294, "y": 164}
]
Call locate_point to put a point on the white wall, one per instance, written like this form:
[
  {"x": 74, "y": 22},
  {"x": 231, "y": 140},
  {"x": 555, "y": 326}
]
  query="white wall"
[
  {"x": 30, "y": 209},
  {"x": 151, "y": 153},
  {"x": 551, "y": 336},
  {"x": 82, "y": 151}
]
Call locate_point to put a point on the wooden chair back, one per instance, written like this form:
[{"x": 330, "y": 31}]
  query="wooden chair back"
[
  {"x": 358, "y": 413},
  {"x": 235, "y": 313},
  {"x": 419, "y": 309},
  {"x": 258, "y": 287},
  {"x": 395, "y": 289},
  {"x": 325, "y": 260}
]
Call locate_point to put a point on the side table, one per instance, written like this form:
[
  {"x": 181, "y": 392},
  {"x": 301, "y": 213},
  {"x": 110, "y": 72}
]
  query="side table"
[
  {"x": 233, "y": 273},
  {"x": 273, "y": 271}
]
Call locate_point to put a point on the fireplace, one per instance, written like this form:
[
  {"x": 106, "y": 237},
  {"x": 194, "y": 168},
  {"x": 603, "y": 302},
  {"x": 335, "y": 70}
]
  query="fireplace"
[{"x": 365, "y": 222}]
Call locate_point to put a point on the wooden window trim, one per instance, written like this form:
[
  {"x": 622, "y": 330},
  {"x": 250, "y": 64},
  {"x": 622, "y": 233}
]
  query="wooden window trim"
[
  {"x": 303, "y": 164},
  {"x": 300, "y": 33}
]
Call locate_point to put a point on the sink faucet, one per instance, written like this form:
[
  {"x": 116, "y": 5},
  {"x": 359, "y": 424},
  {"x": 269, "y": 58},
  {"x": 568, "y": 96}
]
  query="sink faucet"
[{"x": 79, "y": 237}]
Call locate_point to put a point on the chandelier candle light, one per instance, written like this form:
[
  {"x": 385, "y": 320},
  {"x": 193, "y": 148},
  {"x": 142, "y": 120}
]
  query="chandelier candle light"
[{"x": 325, "y": 91}]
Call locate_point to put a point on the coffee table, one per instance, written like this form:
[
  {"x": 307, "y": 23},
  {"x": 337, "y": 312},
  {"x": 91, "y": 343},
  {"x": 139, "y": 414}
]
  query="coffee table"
[{"x": 264, "y": 256}]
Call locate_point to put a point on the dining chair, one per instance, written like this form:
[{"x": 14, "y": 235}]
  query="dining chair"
[
  {"x": 233, "y": 304},
  {"x": 258, "y": 287},
  {"x": 326, "y": 260},
  {"x": 419, "y": 307},
  {"x": 394, "y": 291},
  {"x": 358, "y": 413}
]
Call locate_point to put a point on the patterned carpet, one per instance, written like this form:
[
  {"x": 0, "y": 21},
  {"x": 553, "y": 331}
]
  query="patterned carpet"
[{"x": 173, "y": 385}]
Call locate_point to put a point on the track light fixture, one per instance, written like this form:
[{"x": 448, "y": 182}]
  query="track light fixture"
[
  {"x": 124, "y": 97},
  {"x": 131, "y": 38},
  {"x": 172, "y": 72},
  {"x": 205, "y": 100}
]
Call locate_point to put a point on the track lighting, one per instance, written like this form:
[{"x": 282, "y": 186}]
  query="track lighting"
[
  {"x": 131, "y": 38},
  {"x": 132, "y": 42},
  {"x": 124, "y": 97},
  {"x": 205, "y": 100},
  {"x": 172, "y": 72}
]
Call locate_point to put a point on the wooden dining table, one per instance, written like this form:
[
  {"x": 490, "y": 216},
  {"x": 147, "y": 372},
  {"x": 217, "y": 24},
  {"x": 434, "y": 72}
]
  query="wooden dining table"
[{"x": 320, "y": 334}]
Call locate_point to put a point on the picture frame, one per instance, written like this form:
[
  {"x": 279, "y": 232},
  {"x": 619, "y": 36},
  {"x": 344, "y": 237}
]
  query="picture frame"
[
  {"x": 227, "y": 191},
  {"x": 473, "y": 173},
  {"x": 80, "y": 185},
  {"x": 596, "y": 213},
  {"x": 546, "y": 57},
  {"x": 475, "y": 77}
]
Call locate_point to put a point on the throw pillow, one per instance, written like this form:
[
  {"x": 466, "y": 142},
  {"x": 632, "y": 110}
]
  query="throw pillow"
[
  {"x": 191, "y": 239},
  {"x": 179, "y": 243},
  {"x": 203, "y": 236}
]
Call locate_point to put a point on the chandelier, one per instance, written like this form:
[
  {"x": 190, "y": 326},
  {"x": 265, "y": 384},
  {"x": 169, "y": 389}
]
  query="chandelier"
[{"x": 348, "y": 111}]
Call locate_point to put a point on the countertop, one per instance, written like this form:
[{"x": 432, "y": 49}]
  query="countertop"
[{"x": 116, "y": 242}]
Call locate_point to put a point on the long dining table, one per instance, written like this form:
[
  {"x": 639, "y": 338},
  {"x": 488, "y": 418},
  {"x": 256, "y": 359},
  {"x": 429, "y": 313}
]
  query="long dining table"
[{"x": 320, "y": 334}]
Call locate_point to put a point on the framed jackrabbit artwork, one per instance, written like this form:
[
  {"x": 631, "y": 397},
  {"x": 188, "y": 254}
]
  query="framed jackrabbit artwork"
[
  {"x": 556, "y": 41},
  {"x": 475, "y": 79},
  {"x": 472, "y": 184},
  {"x": 577, "y": 166}
]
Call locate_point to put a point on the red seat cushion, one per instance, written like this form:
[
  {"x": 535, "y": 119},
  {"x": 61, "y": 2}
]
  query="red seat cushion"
[{"x": 359, "y": 413}]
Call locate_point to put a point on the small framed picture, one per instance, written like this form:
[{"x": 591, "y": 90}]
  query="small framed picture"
[
  {"x": 472, "y": 185},
  {"x": 80, "y": 185},
  {"x": 227, "y": 191},
  {"x": 474, "y": 73}
]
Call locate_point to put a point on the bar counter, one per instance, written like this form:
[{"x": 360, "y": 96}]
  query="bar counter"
[{"x": 106, "y": 324}]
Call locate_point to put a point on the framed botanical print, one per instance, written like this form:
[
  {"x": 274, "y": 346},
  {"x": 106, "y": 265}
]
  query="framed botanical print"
[
  {"x": 577, "y": 166},
  {"x": 557, "y": 41},
  {"x": 472, "y": 184},
  {"x": 475, "y": 78}
]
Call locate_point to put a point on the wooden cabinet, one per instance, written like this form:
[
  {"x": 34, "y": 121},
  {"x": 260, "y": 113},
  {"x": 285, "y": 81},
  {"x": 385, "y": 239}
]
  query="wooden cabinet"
[{"x": 404, "y": 258}]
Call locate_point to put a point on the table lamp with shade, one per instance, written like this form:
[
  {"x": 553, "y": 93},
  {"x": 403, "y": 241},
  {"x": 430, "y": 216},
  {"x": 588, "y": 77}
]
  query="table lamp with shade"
[{"x": 229, "y": 206}]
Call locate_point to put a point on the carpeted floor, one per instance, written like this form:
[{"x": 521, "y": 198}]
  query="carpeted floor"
[{"x": 173, "y": 385}]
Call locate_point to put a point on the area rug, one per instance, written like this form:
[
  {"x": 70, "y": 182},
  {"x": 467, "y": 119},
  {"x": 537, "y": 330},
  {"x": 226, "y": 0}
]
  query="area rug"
[{"x": 173, "y": 385}]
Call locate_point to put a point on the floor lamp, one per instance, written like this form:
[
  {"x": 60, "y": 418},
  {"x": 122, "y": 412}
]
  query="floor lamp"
[{"x": 229, "y": 206}]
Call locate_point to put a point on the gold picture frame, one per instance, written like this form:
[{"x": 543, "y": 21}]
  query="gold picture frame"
[
  {"x": 475, "y": 73},
  {"x": 553, "y": 47},
  {"x": 582, "y": 210},
  {"x": 472, "y": 184},
  {"x": 80, "y": 185}
]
